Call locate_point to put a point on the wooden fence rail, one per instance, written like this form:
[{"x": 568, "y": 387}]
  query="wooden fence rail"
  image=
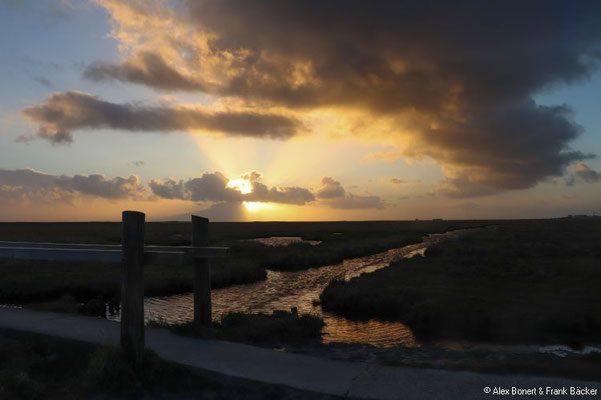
[
  {"x": 133, "y": 255},
  {"x": 107, "y": 253}
]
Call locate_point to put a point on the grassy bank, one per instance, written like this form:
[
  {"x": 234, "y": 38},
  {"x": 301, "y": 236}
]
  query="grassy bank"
[
  {"x": 38, "y": 367},
  {"x": 25, "y": 281},
  {"x": 279, "y": 328},
  {"x": 524, "y": 281}
]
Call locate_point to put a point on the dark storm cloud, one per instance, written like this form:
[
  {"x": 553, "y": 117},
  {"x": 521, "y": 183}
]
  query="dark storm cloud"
[
  {"x": 213, "y": 187},
  {"x": 388, "y": 55},
  {"x": 65, "y": 112},
  {"x": 333, "y": 195},
  {"x": 35, "y": 185},
  {"x": 489, "y": 51},
  {"x": 510, "y": 147},
  {"x": 460, "y": 74}
]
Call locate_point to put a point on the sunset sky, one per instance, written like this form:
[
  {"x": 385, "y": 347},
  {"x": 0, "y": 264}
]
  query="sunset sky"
[{"x": 299, "y": 110}]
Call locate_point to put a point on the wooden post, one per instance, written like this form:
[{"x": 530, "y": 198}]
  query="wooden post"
[
  {"x": 132, "y": 287},
  {"x": 202, "y": 274}
]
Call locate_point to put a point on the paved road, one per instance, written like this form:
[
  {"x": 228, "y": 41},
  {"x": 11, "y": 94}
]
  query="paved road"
[{"x": 341, "y": 378}]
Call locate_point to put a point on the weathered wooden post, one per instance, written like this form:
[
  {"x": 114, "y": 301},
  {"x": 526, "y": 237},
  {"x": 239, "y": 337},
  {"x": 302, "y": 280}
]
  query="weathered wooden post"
[
  {"x": 132, "y": 287},
  {"x": 202, "y": 274}
]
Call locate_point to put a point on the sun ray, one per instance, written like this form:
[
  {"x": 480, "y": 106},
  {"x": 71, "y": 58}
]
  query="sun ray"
[{"x": 253, "y": 206}]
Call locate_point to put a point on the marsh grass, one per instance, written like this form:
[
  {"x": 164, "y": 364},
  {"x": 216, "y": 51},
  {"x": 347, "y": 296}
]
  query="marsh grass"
[{"x": 524, "y": 281}]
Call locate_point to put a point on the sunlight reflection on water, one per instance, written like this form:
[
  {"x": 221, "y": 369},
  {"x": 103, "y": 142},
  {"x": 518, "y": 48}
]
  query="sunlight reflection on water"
[
  {"x": 284, "y": 240},
  {"x": 301, "y": 289}
]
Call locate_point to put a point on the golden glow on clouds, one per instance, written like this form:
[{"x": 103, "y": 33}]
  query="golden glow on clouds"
[
  {"x": 242, "y": 185},
  {"x": 345, "y": 140}
]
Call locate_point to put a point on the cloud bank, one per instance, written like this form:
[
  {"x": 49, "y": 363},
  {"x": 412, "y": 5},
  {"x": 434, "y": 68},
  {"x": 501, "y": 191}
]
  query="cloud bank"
[
  {"x": 213, "y": 187},
  {"x": 29, "y": 185},
  {"x": 448, "y": 81},
  {"x": 36, "y": 186}
]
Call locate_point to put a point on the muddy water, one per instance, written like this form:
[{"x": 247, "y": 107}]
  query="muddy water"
[{"x": 301, "y": 289}]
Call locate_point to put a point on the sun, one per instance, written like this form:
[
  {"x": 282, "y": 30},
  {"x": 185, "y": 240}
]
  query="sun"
[
  {"x": 253, "y": 206},
  {"x": 242, "y": 185}
]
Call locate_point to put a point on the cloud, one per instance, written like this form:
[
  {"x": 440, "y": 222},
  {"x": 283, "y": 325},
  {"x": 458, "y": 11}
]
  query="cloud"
[
  {"x": 65, "y": 112},
  {"x": 42, "y": 81},
  {"x": 36, "y": 186},
  {"x": 333, "y": 195},
  {"x": 99, "y": 185},
  {"x": 287, "y": 195},
  {"x": 353, "y": 201},
  {"x": 147, "y": 68},
  {"x": 511, "y": 147},
  {"x": 26, "y": 178},
  {"x": 397, "y": 181},
  {"x": 217, "y": 188},
  {"x": 213, "y": 187},
  {"x": 452, "y": 82},
  {"x": 330, "y": 189},
  {"x": 221, "y": 194},
  {"x": 585, "y": 173}
]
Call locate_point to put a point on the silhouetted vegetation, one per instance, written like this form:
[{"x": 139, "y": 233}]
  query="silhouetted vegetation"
[
  {"x": 523, "y": 281},
  {"x": 26, "y": 281},
  {"x": 178, "y": 233},
  {"x": 278, "y": 328},
  {"x": 37, "y": 367},
  {"x": 297, "y": 256}
]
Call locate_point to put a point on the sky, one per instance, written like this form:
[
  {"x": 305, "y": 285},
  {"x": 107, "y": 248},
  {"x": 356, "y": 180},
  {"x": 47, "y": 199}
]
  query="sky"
[{"x": 313, "y": 110}]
